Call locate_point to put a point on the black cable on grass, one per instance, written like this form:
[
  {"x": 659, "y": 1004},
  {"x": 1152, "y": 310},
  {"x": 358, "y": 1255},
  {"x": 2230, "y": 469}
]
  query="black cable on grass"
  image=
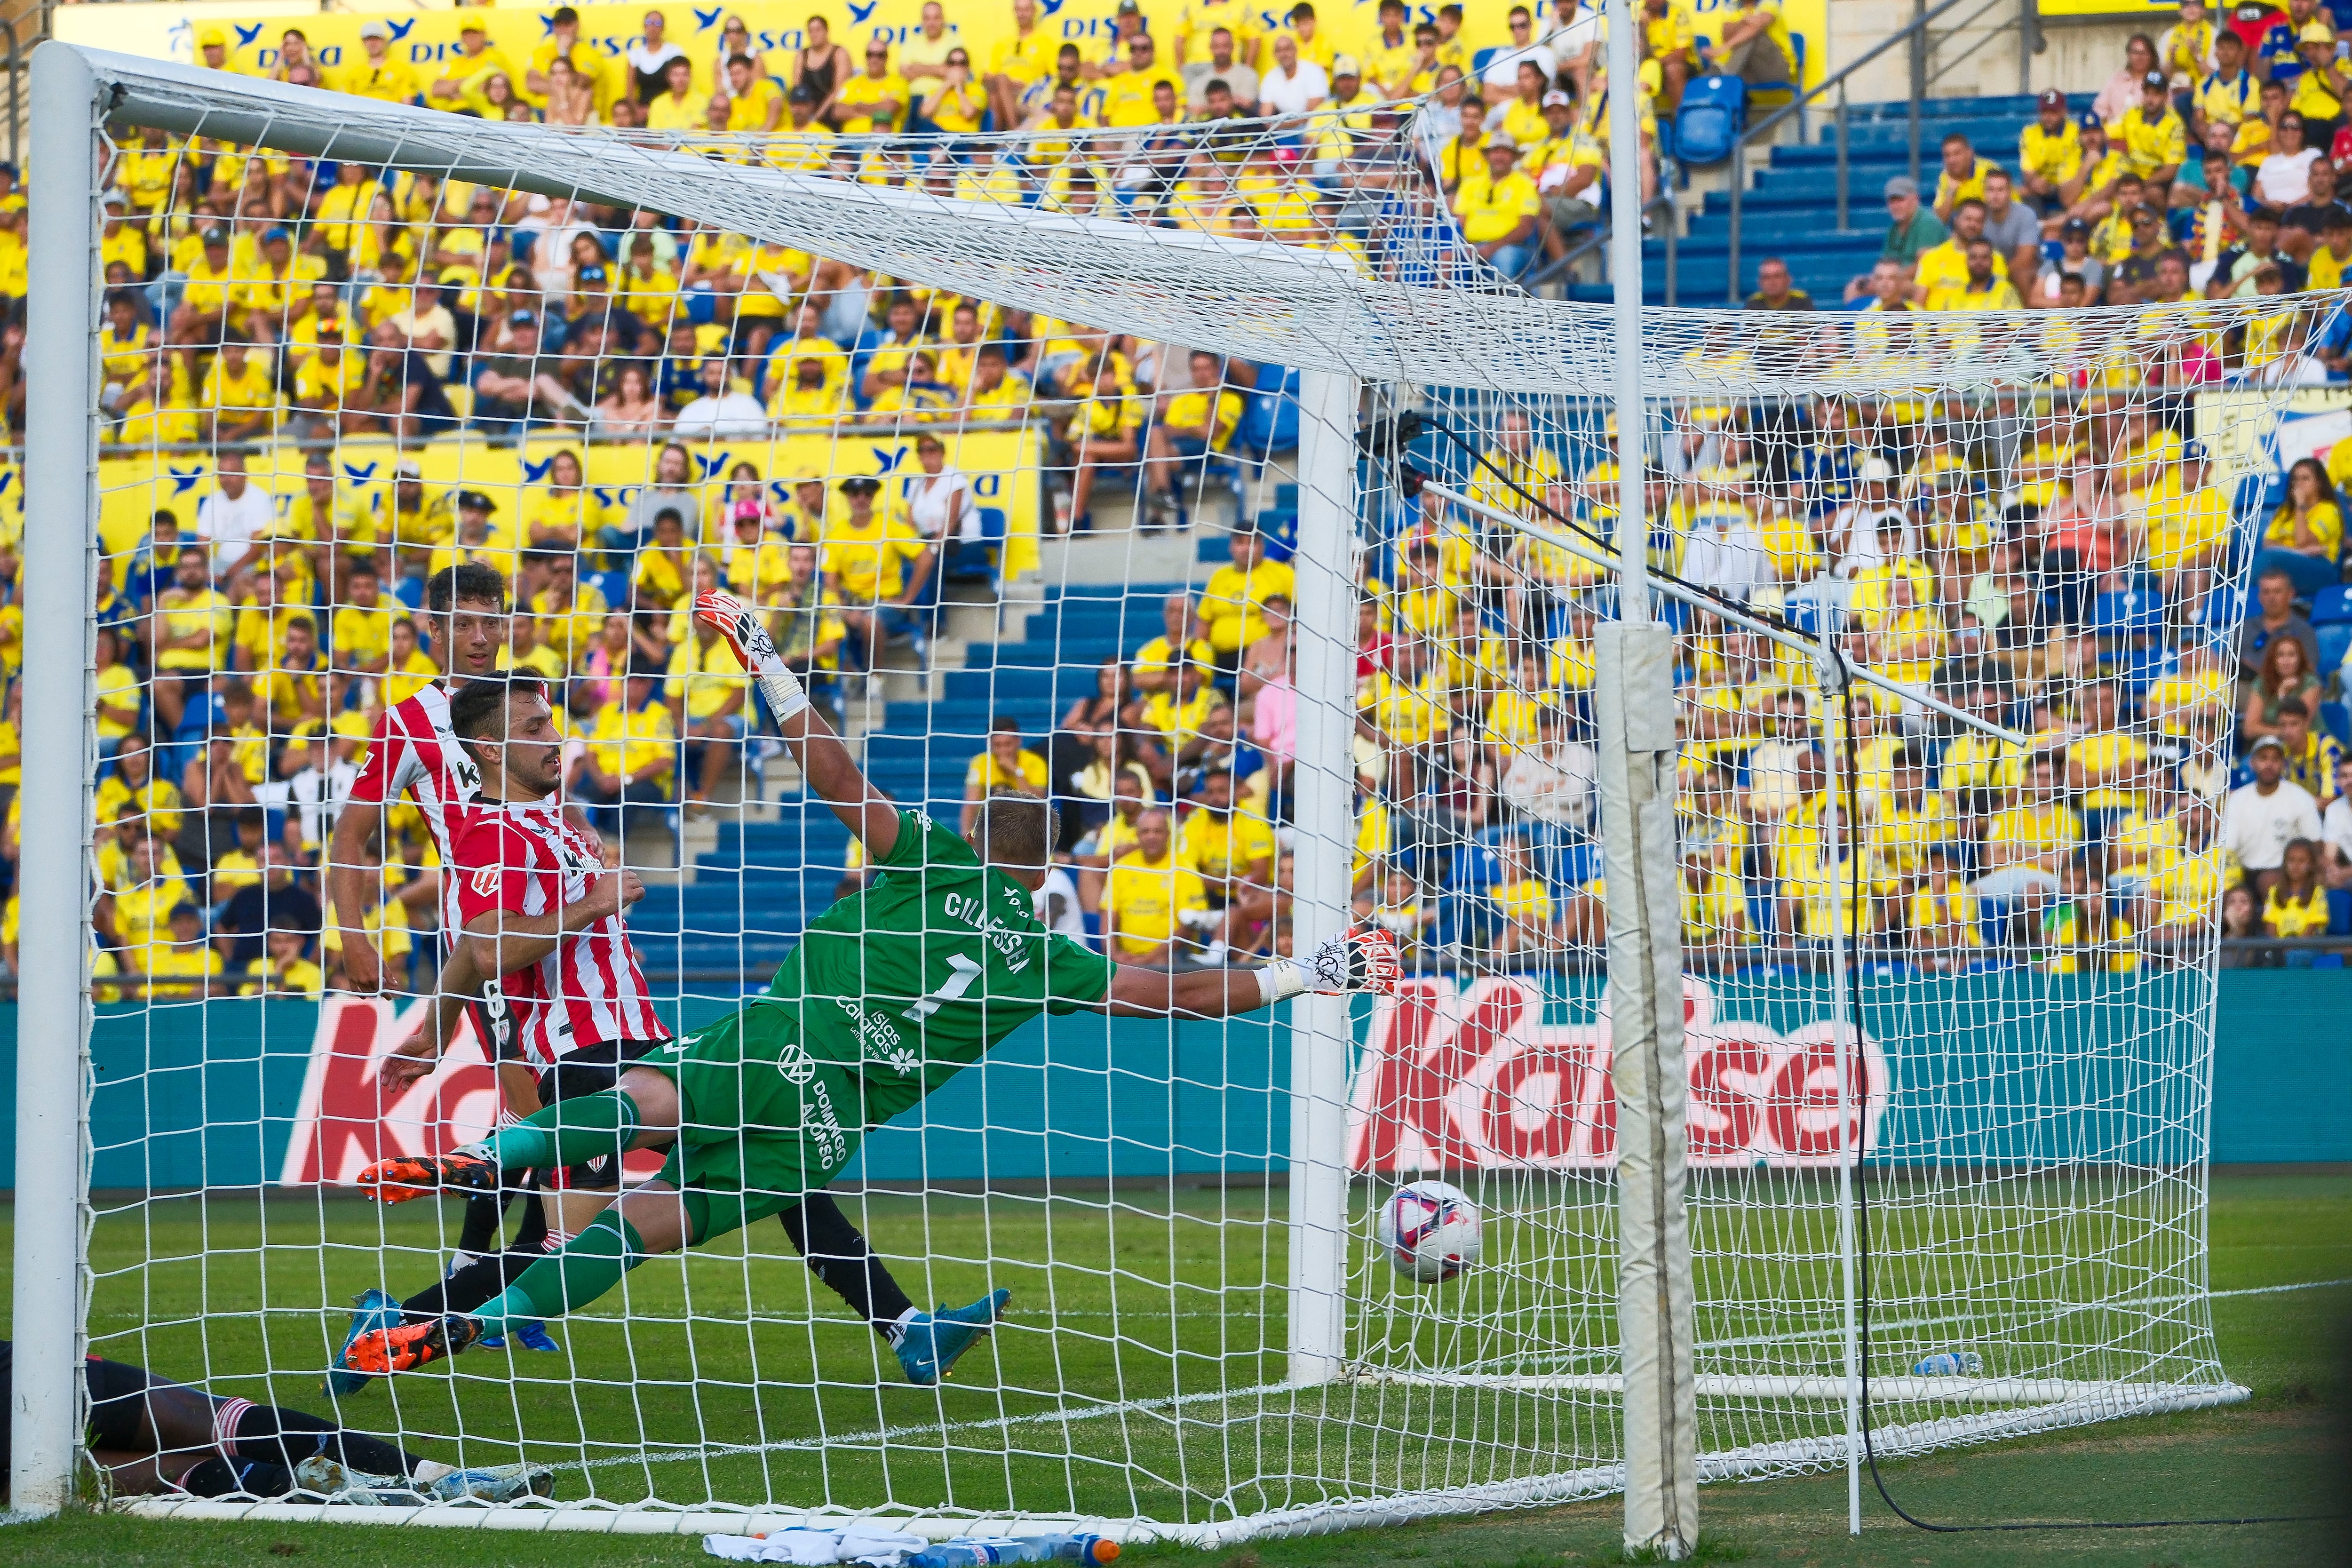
[{"x": 1395, "y": 433}]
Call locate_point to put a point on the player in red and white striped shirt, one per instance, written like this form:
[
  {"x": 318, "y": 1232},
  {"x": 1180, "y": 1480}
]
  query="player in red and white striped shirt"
[
  {"x": 527, "y": 878},
  {"x": 412, "y": 752}
]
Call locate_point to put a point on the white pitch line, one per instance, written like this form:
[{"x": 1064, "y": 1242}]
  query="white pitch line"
[
  {"x": 941, "y": 1429},
  {"x": 2281, "y": 1289}
]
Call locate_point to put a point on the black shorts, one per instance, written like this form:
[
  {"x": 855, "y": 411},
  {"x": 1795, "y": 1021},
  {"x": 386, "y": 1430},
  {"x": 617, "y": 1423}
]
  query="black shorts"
[
  {"x": 592, "y": 1069},
  {"x": 117, "y": 1405}
]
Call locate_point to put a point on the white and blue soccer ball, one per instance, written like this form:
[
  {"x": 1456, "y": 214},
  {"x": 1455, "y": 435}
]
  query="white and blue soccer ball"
[{"x": 1429, "y": 1230}]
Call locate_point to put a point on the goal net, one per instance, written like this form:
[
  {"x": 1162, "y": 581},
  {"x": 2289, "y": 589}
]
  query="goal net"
[{"x": 1209, "y": 479}]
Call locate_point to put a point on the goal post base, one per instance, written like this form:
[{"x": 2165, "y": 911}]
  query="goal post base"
[{"x": 2083, "y": 1404}]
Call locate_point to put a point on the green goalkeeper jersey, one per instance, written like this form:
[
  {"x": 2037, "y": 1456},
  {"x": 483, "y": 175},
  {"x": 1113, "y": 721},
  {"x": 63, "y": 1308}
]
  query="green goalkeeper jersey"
[{"x": 913, "y": 979}]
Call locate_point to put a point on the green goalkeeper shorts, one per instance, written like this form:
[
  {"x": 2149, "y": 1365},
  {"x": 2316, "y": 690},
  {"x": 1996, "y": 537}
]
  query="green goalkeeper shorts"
[{"x": 762, "y": 1122}]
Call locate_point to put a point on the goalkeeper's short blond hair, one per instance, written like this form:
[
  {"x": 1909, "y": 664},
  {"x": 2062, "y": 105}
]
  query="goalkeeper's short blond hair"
[{"x": 1016, "y": 829}]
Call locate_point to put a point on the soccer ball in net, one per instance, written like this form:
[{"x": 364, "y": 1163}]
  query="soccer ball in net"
[{"x": 1429, "y": 1229}]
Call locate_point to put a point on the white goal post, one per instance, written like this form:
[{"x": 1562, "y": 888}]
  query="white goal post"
[{"x": 2032, "y": 1197}]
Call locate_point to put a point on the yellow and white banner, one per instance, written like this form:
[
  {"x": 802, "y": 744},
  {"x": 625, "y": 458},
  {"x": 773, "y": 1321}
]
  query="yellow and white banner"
[
  {"x": 424, "y": 38},
  {"x": 1004, "y": 466}
]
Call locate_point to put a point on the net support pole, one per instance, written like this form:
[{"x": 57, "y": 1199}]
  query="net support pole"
[
  {"x": 1834, "y": 677},
  {"x": 1324, "y": 807},
  {"x": 1635, "y": 717},
  {"x": 44, "y": 1419}
]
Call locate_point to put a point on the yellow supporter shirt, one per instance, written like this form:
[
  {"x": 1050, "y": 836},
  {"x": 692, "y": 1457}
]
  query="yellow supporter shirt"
[
  {"x": 985, "y": 776},
  {"x": 868, "y": 565},
  {"x": 859, "y": 97},
  {"x": 1492, "y": 209},
  {"x": 1147, "y": 898},
  {"x": 704, "y": 675},
  {"x": 1232, "y": 600},
  {"x": 1221, "y": 848},
  {"x": 623, "y": 741}
]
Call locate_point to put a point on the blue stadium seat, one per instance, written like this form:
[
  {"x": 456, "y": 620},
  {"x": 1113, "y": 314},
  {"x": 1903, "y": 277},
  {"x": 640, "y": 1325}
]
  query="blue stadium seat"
[{"x": 2331, "y": 606}]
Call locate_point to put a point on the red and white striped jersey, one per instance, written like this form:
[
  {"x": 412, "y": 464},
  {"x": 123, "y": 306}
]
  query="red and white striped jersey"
[
  {"x": 414, "y": 753},
  {"x": 525, "y": 859}
]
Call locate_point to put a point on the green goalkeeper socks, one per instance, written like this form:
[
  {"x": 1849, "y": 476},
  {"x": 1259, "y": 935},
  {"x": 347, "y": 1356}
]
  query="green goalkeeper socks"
[
  {"x": 566, "y": 1133},
  {"x": 588, "y": 1265}
]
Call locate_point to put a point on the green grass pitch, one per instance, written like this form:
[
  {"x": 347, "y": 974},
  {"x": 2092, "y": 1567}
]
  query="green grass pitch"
[{"x": 2273, "y": 1455}]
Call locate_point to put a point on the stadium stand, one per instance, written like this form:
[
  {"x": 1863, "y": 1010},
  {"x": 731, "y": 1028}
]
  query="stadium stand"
[{"x": 276, "y": 327}]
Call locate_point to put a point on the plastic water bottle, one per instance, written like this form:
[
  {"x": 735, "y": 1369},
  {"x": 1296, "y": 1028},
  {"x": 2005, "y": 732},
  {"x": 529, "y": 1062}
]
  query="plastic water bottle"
[
  {"x": 975, "y": 1551},
  {"x": 1067, "y": 1548},
  {"x": 959, "y": 1553},
  {"x": 1950, "y": 1364}
]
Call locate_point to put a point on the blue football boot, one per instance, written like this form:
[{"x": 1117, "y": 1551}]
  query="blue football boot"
[
  {"x": 928, "y": 1350},
  {"x": 375, "y": 1311}
]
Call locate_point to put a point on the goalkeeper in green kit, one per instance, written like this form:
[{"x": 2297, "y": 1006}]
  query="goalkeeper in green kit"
[{"x": 892, "y": 993}]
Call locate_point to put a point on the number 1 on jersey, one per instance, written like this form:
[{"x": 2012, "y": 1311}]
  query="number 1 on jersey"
[{"x": 962, "y": 973}]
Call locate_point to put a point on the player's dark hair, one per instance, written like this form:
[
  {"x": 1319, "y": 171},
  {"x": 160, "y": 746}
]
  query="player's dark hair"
[
  {"x": 1016, "y": 830},
  {"x": 479, "y": 710},
  {"x": 468, "y": 582}
]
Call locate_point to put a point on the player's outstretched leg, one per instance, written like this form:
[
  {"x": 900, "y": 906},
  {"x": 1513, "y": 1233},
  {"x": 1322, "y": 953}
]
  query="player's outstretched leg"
[
  {"x": 929, "y": 1344},
  {"x": 926, "y": 1344},
  {"x": 584, "y": 1268},
  {"x": 568, "y": 1132},
  {"x": 374, "y": 1311},
  {"x": 400, "y": 1181}
]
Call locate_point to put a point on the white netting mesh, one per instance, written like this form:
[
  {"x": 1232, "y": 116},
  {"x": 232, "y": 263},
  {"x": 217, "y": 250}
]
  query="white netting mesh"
[{"x": 1077, "y": 409}]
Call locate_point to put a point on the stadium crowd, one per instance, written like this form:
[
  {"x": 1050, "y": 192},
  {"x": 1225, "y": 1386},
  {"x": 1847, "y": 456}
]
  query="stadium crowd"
[{"x": 2062, "y": 576}]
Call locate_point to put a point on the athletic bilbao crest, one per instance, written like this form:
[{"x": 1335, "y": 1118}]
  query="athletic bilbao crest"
[
  {"x": 348, "y": 1119},
  {"x": 1474, "y": 1078}
]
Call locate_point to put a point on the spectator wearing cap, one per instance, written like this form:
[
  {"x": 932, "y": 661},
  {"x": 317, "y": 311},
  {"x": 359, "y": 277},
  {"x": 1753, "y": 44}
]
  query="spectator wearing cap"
[
  {"x": 1911, "y": 229},
  {"x": 878, "y": 566},
  {"x": 376, "y": 74},
  {"x": 2320, "y": 90},
  {"x": 2154, "y": 142},
  {"x": 1295, "y": 85},
  {"x": 1566, "y": 167},
  {"x": 467, "y": 68},
  {"x": 425, "y": 326},
  {"x": 1498, "y": 209},
  {"x": 212, "y": 52},
  {"x": 1961, "y": 177},
  {"x": 517, "y": 384},
  {"x": 722, "y": 412},
  {"x": 208, "y": 295},
  {"x": 2050, "y": 154},
  {"x": 2267, "y": 814},
  {"x": 2091, "y": 195}
]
